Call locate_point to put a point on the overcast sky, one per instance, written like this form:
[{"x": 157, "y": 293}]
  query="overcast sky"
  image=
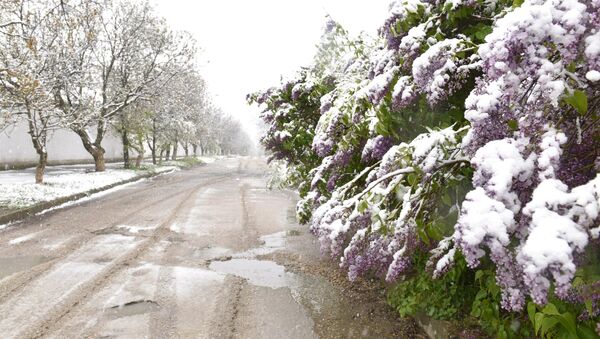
[{"x": 247, "y": 45}]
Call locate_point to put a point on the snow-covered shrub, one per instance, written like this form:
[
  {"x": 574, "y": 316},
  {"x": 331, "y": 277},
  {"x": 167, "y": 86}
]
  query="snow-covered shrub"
[{"x": 467, "y": 131}]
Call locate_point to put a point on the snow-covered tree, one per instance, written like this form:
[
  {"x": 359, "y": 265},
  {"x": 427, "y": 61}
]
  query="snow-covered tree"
[
  {"x": 134, "y": 53},
  {"x": 35, "y": 56}
]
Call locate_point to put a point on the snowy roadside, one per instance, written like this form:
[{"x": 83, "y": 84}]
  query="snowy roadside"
[{"x": 19, "y": 195}]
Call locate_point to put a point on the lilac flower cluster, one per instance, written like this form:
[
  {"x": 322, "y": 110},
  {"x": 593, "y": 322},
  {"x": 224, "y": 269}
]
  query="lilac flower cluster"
[
  {"x": 404, "y": 93},
  {"x": 376, "y": 147},
  {"x": 532, "y": 143},
  {"x": 399, "y": 11},
  {"x": 438, "y": 72},
  {"x": 515, "y": 112}
]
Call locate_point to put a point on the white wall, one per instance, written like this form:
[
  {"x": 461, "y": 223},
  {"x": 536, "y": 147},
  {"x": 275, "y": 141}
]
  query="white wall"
[{"x": 63, "y": 145}]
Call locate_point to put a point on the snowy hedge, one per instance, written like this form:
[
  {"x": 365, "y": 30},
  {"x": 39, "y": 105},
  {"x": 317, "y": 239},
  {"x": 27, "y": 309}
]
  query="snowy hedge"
[{"x": 467, "y": 131}]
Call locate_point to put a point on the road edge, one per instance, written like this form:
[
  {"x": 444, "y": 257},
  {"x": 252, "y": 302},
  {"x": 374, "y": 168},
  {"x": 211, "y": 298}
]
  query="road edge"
[{"x": 26, "y": 212}]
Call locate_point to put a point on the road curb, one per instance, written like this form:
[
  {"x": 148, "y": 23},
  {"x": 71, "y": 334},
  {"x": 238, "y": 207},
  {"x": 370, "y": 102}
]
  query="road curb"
[{"x": 23, "y": 213}]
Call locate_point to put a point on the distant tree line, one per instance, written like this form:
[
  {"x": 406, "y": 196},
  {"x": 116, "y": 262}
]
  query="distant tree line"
[{"x": 114, "y": 65}]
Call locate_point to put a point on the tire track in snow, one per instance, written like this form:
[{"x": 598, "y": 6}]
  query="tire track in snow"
[
  {"x": 162, "y": 322},
  {"x": 18, "y": 281},
  {"x": 52, "y": 320}
]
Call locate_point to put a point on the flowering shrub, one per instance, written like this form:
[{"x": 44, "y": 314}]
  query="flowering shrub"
[{"x": 468, "y": 130}]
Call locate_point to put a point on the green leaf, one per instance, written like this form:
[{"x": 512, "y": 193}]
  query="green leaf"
[
  {"x": 588, "y": 306},
  {"x": 363, "y": 206},
  {"x": 412, "y": 179},
  {"x": 584, "y": 332},
  {"x": 537, "y": 322},
  {"x": 568, "y": 321},
  {"x": 550, "y": 309},
  {"x": 446, "y": 199},
  {"x": 481, "y": 294},
  {"x": 531, "y": 309},
  {"x": 423, "y": 235},
  {"x": 513, "y": 125},
  {"x": 578, "y": 100},
  {"x": 548, "y": 323},
  {"x": 483, "y": 31}
]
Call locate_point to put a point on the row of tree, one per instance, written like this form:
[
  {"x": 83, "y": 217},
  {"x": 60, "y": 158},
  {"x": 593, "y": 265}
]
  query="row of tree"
[{"x": 99, "y": 66}]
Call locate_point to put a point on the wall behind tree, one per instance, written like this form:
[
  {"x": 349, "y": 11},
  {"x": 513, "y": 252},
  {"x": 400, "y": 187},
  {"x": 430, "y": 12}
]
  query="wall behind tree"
[{"x": 64, "y": 146}]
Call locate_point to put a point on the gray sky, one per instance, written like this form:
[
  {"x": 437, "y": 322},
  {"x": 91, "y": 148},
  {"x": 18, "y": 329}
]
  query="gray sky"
[{"x": 247, "y": 45}]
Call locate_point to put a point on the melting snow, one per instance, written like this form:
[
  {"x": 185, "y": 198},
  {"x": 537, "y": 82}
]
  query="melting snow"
[
  {"x": 22, "y": 239},
  {"x": 18, "y": 189}
]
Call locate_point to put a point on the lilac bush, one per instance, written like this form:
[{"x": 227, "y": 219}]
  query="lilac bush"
[{"x": 468, "y": 130}]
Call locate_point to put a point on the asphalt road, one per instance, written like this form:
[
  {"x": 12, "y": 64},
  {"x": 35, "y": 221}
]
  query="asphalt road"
[{"x": 208, "y": 252}]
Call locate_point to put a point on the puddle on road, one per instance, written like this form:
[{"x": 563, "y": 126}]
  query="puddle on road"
[
  {"x": 256, "y": 272},
  {"x": 137, "y": 229},
  {"x": 314, "y": 293},
  {"x": 132, "y": 308},
  {"x": 13, "y": 265},
  {"x": 270, "y": 243},
  {"x": 211, "y": 253}
]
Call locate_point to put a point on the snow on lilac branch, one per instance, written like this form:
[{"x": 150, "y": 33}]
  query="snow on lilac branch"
[{"x": 514, "y": 181}]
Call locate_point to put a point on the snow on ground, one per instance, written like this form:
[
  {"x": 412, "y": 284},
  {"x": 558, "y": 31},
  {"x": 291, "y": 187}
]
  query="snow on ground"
[
  {"x": 207, "y": 160},
  {"x": 22, "y": 239},
  {"x": 137, "y": 229},
  {"x": 90, "y": 197},
  {"x": 18, "y": 188}
]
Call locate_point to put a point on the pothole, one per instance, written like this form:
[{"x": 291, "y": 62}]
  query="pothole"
[
  {"x": 256, "y": 272},
  {"x": 13, "y": 265},
  {"x": 132, "y": 308}
]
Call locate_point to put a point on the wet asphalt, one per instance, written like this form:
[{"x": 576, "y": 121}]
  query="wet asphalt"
[{"x": 208, "y": 252}]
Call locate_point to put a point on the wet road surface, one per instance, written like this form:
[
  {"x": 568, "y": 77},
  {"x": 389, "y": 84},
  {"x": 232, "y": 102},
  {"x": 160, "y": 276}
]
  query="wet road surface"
[{"x": 202, "y": 253}]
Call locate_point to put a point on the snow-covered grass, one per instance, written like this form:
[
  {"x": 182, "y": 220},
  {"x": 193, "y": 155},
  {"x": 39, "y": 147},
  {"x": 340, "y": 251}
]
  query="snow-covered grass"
[{"x": 18, "y": 188}]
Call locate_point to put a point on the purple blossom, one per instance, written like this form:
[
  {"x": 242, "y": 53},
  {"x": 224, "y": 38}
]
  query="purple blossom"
[{"x": 376, "y": 148}]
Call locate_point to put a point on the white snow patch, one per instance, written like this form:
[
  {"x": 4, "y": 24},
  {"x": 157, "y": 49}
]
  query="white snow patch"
[
  {"x": 137, "y": 229},
  {"x": 91, "y": 197},
  {"x": 18, "y": 189},
  {"x": 175, "y": 227},
  {"x": 593, "y": 76},
  {"x": 22, "y": 239}
]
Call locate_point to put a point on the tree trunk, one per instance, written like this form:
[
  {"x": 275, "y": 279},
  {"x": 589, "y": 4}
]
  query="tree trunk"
[
  {"x": 175, "y": 151},
  {"x": 195, "y": 149},
  {"x": 41, "y": 166},
  {"x": 38, "y": 133},
  {"x": 94, "y": 148},
  {"x": 153, "y": 145},
  {"x": 186, "y": 148},
  {"x": 100, "y": 165},
  {"x": 125, "y": 140},
  {"x": 168, "y": 155},
  {"x": 160, "y": 156},
  {"x": 175, "y": 147},
  {"x": 138, "y": 160}
]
